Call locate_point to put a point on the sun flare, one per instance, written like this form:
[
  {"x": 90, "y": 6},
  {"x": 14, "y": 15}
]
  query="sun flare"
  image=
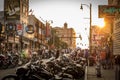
[{"x": 100, "y": 23}]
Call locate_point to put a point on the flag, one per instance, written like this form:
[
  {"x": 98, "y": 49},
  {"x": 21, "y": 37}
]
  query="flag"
[
  {"x": 48, "y": 30},
  {"x": 31, "y": 12}
]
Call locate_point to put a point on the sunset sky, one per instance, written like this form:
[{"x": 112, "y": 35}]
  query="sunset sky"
[{"x": 61, "y": 11}]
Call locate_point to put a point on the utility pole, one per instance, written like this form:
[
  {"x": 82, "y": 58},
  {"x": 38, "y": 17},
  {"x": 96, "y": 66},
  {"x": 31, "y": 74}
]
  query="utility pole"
[
  {"x": 90, "y": 29},
  {"x": 90, "y": 32}
]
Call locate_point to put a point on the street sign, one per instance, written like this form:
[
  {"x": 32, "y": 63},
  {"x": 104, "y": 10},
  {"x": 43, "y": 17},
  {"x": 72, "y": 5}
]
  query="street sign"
[{"x": 108, "y": 10}]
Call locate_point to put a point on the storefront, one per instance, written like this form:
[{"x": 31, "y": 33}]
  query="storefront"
[{"x": 116, "y": 37}]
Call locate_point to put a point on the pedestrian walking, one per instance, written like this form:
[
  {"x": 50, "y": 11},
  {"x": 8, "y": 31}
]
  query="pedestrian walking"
[
  {"x": 102, "y": 58},
  {"x": 98, "y": 66},
  {"x": 86, "y": 55}
]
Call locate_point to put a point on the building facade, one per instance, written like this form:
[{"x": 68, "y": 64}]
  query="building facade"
[
  {"x": 14, "y": 21},
  {"x": 67, "y": 35},
  {"x": 114, "y": 2},
  {"x": 100, "y": 37},
  {"x": 39, "y": 36},
  {"x": 116, "y": 28},
  {"x": 21, "y": 29},
  {"x": 116, "y": 37},
  {"x": 108, "y": 12}
]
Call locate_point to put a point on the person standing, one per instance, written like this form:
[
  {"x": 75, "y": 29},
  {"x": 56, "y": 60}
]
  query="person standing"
[
  {"x": 117, "y": 67},
  {"x": 57, "y": 54},
  {"x": 86, "y": 55},
  {"x": 107, "y": 57}
]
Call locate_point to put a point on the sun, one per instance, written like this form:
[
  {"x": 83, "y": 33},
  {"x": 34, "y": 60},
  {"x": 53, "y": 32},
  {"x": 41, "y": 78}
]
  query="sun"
[{"x": 100, "y": 22}]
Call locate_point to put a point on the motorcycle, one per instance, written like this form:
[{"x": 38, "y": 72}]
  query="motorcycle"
[
  {"x": 49, "y": 69},
  {"x": 3, "y": 61},
  {"x": 29, "y": 72}
]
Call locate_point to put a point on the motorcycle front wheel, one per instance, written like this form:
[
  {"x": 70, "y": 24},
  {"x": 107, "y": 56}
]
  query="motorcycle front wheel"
[{"x": 10, "y": 77}]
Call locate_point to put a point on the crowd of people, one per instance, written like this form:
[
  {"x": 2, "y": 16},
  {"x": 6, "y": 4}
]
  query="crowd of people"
[
  {"x": 105, "y": 57},
  {"x": 104, "y": 54}
]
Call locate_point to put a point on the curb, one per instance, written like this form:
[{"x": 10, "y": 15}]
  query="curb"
[{"x": 85, "y": 73}]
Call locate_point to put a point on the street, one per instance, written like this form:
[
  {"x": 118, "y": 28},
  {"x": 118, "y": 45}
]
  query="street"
[
  {"x": 91, "y": 73},
  {"x": 6, "y": 72},
  {"x": 105, "y": 74},
  {"x": 60, "y": 39}
]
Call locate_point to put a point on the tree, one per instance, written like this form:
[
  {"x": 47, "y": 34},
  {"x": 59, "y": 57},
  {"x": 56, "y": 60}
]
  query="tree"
[
  {"x": 51, "y": 41},
  {"x": 55, "y": 40},
  {"x": 64, "y": 45}
]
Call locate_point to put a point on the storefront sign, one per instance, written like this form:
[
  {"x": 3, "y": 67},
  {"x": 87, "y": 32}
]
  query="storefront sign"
[
  {"x": 19, "y": 32},
  {"x": 106, "y": 10},
  {"x": 11, "y": 26},
  {"x": 29, "y": 29},
  {"x": 12, "y": 9},
  {"x": 19, "y": 27}
]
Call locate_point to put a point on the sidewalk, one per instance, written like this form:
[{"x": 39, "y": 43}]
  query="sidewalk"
[{"x": 106, "y": 74}]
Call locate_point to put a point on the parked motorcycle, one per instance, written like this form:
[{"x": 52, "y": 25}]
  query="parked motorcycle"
[
  {"x": 49, "y": 69},
  {"x": 29, "y": 72},
  {"x": 3, "y": 61}
]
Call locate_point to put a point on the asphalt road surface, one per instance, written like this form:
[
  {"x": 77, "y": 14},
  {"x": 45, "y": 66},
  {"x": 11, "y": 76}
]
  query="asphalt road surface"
[{"x": 5, "y": 72}]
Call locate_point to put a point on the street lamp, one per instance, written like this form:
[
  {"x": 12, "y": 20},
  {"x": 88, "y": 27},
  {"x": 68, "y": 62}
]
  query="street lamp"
[{"x": 90, "y": 7}]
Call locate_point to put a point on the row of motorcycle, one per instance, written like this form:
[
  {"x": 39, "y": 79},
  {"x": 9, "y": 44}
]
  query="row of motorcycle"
[
  {"x": 10, "y": 60},
  {"x": 61, "y": 68}
]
